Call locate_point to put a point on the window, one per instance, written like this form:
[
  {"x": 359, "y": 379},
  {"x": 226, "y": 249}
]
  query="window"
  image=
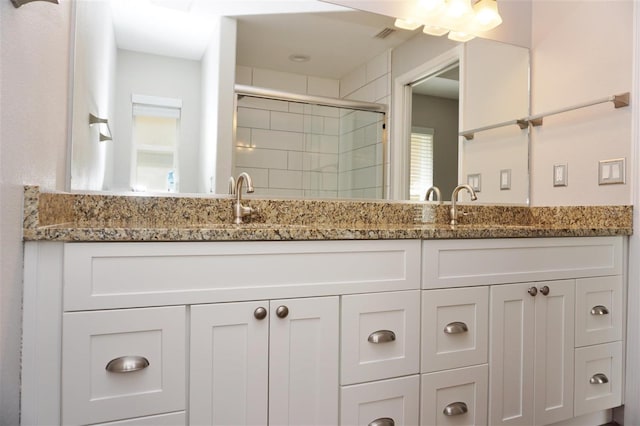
[
  {"x": 156, "y": 125},
  {"x": 421, "y": 173}
]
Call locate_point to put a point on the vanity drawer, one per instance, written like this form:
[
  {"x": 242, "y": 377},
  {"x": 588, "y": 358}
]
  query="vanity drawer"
[
  {"x": 598, "y": 310},
  {"x": 455, "y": 328},
  {"x": 93, "y": 392},
  {"x": 598, "y": 378},
  {"x": 455, "y": 397},
  {"x": 380, "y": 335},
  {"x": 131, "y": 275},
  {"x": 171, "y": 419},
  {"x": 389, "y": 402}
]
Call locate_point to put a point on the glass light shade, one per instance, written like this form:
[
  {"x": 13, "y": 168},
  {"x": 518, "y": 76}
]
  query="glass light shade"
[
  {"x": 458, "y": 16},
  {"x": 486, "y": 15},
  {"x": 461, "y": 36},
  {"x": 434, "y": 31},
  {"x": 431, "y": 6},
  {"x": 406, "y": 24}
]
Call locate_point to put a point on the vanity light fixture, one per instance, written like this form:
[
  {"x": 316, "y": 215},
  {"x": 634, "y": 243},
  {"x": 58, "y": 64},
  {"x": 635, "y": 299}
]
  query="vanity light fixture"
[
  {"x": 18, "y": 3},
  {"x": 104, "y": 125},
  {"x": 462, "y": 21}
]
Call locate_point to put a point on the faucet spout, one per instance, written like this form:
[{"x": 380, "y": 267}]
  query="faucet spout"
[
  {"x": 453, "y": 211},
  {"x": 239, "y": 210},
  {"x": 437, "y": 196}
]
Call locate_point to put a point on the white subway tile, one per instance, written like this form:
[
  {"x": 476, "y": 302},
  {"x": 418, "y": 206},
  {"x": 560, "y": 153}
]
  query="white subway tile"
[
  {"x": 296, "y": 107},
  {"x": 244, "y": 75},
  {"x": 353, "y": 81},
  {"x": 261, "y": 158},
  {"x": 315, "y": 162},
  {"x": 276, "y": 139},
  {"x": 313, "y": 124},
  {"x": 322, "y": 143},
  {"x": 285, "y": 179},
  {"x": 294, "y": 160},
  {"x": 318, "y": 181},
  {"x": 331, "y": 126},
  {"x": 243, "y": 136},
  {"x": 283, "y": 193},
  {"x": 311, "y": 193},
  {"x": 278, "y": 80},
  {"x": 382, "y": 88},
  {"x": 256, "y": 118},
  {"x": 365, "y": 93},
  {"x": 287, "y": 121},
  {"x": 260, "y": 177},
  {"x": 263, "y": 103},
  {"x": 326, "y": 87}
]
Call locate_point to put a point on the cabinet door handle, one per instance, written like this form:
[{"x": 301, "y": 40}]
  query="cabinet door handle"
[
  {"x": 260, "y": 313},
  {"x": 383, "y": 421},
  {"x": 455, "y": 409},
  {"x": 282, "y": 311},
  {"x": 599, "y": 379},
  {"x": 544, "y": 290},
  {"x": 532, "y": 291},
  {"x": 127, "y": 364},
  {"x": 382, "y": 336},
  {"x": 599, "y": 310},
  {"x": 456, "y": 327}
]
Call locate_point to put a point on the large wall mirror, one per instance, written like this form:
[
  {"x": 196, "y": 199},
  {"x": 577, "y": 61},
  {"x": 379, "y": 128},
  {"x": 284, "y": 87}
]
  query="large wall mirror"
[{"x": 143, "y": 89}]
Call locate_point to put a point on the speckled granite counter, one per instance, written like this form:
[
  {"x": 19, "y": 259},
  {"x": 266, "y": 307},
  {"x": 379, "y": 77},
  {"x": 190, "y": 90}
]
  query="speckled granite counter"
[{"x": 94, "y": 217}]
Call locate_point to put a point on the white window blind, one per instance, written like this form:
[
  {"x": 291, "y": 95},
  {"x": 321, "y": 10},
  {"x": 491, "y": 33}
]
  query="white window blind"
[{"x": 421, "y": 173}]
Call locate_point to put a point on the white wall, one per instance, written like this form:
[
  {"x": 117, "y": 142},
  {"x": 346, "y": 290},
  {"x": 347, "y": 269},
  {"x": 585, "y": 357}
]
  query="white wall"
[
  {"x": 580, "y": 52},
  {"x": 34, "y": 55},
  {"x": 153, "y": 75}
]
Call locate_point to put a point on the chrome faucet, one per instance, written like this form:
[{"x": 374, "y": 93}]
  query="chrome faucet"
[
  {"x": 437, "y": 196},
  {"x": 453, "y": 211},
  {"x": 239, "y": 210},
  {"x": 232, "y": 186}
]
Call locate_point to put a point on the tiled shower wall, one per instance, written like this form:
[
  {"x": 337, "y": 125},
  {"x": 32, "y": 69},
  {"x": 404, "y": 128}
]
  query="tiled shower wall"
[{"x": 291, "y": 149}]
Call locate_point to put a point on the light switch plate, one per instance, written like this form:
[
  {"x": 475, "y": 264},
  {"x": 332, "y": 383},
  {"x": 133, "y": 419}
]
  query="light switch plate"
[
  {"x": 505, "y": 179},
  {"x": 474, "y": 181},
  {"x": 560, "y": 175},
  {"x": 611, "y": 171}
]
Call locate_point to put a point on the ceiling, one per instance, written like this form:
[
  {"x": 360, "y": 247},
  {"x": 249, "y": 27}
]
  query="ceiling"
[{"x": 336, "y": 39}]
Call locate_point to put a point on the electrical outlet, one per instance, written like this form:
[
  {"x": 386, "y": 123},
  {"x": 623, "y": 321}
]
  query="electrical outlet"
[
  {"x": 560, "y": 172},
  {"x": 474, "y": 181},
  {"x": 611, "y": 171},
  {"x": 505, "y": 179}
]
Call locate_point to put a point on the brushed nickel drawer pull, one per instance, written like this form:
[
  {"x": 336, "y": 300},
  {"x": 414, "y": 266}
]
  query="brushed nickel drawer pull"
[
  {"x": 544, "y": 290},
  {"x": 282, "y": 311},
  {"x": 383, "y": 421},
  {"x": 456, "y": 327},
  {"x": 532, "y": 291},
  {"x": 382, "y": 336},
  {"x": 599, "y": 310},
  {"x": 599, "y": 379},
  {"x": 455, "y": 409},
  {"x": 127, "y": 364}
]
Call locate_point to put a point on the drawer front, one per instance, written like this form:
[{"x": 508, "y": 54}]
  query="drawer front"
[
  {"x": 380, "y": 336},
  {"x": 455, "y": 397},
  {"x": 130, "y": 275},
  {"x": 381, "y": 403},
  {"x": 461, "y": 263},
  {"x": 455, "y": 328},
  {"x": 171, "y": 419},
  {"x": 598, "y": 310},
  {"x": 598, "y": 377},
  {"x": 91, "y": 393}
]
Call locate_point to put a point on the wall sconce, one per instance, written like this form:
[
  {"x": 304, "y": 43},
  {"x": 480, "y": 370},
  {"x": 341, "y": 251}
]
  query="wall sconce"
[
  {"x": 456, "y": 17},
  {"x": 18, "y": 3},
  {"x": 103, "y": 124}
]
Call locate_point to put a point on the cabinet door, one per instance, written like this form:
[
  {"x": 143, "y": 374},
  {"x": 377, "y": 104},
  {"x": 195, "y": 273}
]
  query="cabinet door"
[
  {"x": 229, "y": 364},
  {"x": 303, "y": 369},
  {"x": 511, "y": 356},
  {"x": 554, "y": 324}
]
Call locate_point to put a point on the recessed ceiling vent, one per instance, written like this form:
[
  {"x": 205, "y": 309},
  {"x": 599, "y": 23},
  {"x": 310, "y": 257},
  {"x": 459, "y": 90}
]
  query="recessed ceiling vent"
[{"x": 386, "y": 32}]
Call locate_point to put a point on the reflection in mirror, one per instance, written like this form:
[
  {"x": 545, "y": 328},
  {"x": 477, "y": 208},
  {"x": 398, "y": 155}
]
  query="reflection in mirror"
[
  {"x": 190, "y": 95},
  {"x": 294, "y": 149},
  {"x": 434, "y": 133}
]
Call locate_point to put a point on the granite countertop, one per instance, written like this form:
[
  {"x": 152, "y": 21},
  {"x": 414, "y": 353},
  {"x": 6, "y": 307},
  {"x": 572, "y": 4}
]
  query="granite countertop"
[{"x": 97, "y": 217}]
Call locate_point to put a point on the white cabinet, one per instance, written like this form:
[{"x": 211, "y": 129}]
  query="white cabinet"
[
  {"x": 265, "y": 362},
  {"x": 121, "y": 364},
  {"x": 532, "y": 333}
]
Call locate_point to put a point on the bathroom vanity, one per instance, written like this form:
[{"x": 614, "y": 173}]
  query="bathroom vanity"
[{"x": 395, "y": 325}]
